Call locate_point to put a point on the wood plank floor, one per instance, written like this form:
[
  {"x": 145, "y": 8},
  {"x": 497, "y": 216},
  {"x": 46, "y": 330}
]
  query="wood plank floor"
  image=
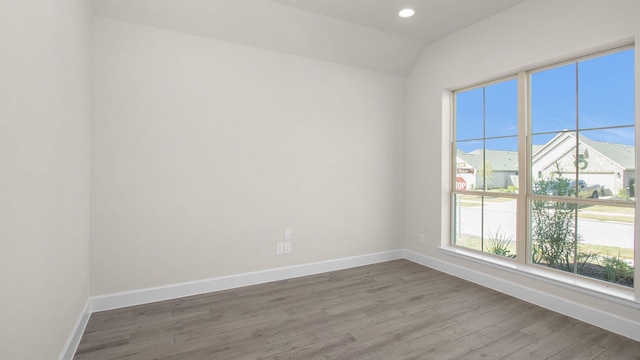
[{"x": 392, "y": 310}]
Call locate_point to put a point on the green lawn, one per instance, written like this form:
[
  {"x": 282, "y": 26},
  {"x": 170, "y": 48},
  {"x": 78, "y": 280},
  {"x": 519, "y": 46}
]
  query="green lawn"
[
  {"x": 607, "y": 213},
  {"x": 474, "y": 242},
  {"x": 609, "y": 251},
  {"x": 472, "y": 201}
]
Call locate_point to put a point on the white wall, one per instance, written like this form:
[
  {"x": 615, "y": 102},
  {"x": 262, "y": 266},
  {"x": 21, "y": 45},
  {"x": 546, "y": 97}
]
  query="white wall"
[
  {"x": 44, "y": 174},
  {"x": 203, "y": 151},
  {"x": 530, "y": 34}
]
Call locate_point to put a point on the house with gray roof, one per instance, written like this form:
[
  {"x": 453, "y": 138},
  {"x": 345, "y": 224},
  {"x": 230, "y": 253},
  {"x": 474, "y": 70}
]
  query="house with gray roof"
[
  {"x": 501, "y": 168},
  {"x": 607, "y": 164}
]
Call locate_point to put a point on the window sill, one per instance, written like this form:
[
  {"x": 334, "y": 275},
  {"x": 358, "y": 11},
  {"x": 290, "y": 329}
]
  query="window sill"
[{"x": 586, "y": 286}]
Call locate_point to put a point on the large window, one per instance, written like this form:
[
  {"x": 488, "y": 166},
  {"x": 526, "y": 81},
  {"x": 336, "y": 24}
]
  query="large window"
[{"x": 552, "y": 186}]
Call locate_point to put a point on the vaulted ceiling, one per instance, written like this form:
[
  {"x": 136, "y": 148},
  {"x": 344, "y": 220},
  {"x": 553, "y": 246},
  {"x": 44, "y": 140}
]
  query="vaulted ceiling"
[{"x": 367, "y": 34}]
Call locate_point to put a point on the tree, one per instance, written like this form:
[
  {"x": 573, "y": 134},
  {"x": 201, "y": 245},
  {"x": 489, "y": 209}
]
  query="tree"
[{"x": 485, "y": 174}]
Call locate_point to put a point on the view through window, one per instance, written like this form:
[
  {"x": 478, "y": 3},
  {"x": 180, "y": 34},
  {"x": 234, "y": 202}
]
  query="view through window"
[{"x": 579, "y": 171}]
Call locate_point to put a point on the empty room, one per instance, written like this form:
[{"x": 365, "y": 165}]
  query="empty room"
[{"x": 319, "y": 179}]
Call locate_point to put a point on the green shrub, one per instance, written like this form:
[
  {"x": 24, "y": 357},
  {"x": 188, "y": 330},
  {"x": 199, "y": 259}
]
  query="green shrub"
[
  {"x": 498, "y": 243},
  {"x": 554, "y": 239},
  {"x": 616, "y": 270},
  {"x": 622, "y": 193}
]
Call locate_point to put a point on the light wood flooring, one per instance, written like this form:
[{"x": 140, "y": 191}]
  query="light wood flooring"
[{"x": 392, "y": 310}]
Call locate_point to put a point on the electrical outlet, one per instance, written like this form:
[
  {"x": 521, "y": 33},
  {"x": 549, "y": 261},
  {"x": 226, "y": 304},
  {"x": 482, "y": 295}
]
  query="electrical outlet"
[
  {"x": 287, "y": 248},
  {"x": 287, "y": 234},
  {"x": 421, "y": 238},
  {"x": 280, "y": 248}
]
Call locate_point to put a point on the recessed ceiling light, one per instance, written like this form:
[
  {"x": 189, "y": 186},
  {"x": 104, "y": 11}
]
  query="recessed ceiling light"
[{"x": 405, "y": 13}]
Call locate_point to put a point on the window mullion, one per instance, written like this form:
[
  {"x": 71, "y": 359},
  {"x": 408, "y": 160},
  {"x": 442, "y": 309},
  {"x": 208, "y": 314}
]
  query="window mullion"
[
  {"x": 524, "y": 147},
  {"x": 577, "y": 171}
]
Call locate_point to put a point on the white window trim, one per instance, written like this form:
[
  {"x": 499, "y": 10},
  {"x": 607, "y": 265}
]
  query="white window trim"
[{"x": 599, "y": 288}]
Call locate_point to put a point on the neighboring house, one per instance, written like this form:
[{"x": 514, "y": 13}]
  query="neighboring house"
[
  {"x": 607, "y": 164},
  {"x": 502, "y": 168}
]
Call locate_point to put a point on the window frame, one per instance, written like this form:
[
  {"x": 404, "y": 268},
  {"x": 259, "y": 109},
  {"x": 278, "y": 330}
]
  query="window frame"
[
  {"x": 453, "y": 167},
  {"x": 523, "y": 239}
]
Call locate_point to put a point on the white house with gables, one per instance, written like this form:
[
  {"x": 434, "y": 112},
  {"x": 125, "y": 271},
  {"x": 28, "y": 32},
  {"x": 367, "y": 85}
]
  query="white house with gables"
[
  {"x": 607, "y": 164},
  {"x": 599, "y": 163}
]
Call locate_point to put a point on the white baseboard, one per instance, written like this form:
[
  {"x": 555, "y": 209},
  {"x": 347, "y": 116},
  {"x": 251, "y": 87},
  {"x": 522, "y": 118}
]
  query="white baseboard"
[
  {"x": 71, "y": 346},
  {"x": 597, "y": 317},
  {"x": 143, "y": 296}
]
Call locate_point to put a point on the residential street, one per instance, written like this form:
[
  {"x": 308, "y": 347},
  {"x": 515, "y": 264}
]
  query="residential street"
[{"x": 501, "y": 215}]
